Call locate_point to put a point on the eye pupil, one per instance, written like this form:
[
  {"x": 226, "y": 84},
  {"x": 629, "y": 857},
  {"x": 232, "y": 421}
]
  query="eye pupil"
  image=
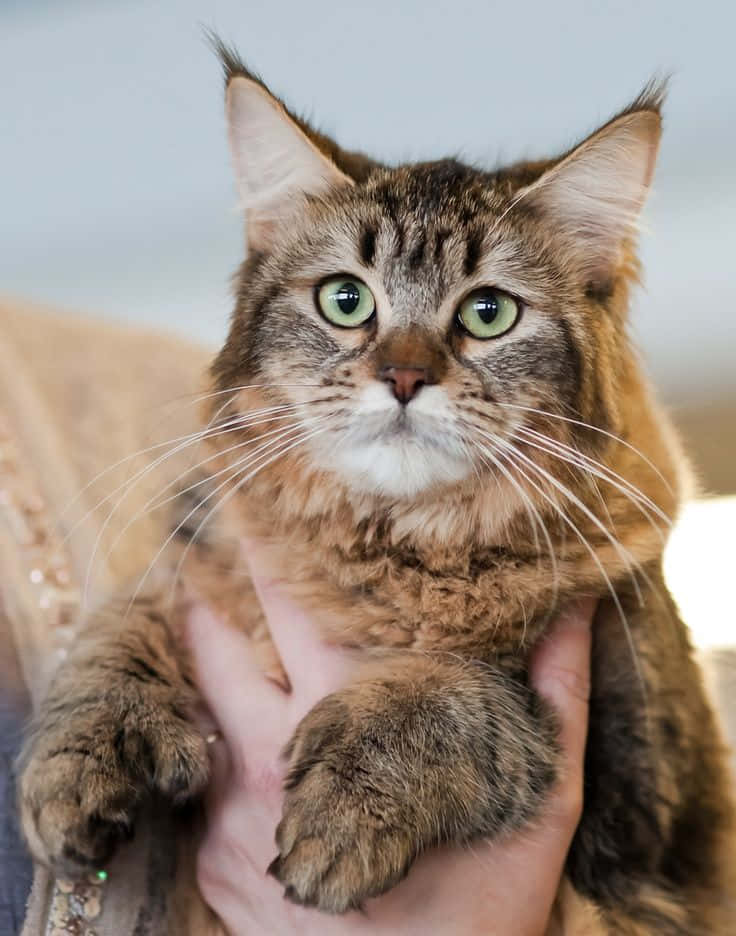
[
  {"x": 345, "y": 303},
  {"x": 488, "y": 313},
  {"x": 487, "y": 308},
  {"x": 347, "y": 298}
]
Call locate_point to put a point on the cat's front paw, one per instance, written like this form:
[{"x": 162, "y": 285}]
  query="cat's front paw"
[
  {"x": 345, "y": 835},
  {"x": 83, "y": 779}
]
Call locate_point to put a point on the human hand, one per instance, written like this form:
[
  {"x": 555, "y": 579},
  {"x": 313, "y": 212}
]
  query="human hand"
[{"x": 489, "y": 888}]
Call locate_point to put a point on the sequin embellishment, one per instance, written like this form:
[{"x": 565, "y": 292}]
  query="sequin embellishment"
[{"x": 75, "y": 905}]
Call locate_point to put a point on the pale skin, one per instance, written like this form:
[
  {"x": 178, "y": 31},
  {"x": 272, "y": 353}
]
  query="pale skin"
[{"x": 490, "y": 889}]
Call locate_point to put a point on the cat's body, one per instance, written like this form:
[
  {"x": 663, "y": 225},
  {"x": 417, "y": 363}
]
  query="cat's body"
[{"x": 434, "y": 491}]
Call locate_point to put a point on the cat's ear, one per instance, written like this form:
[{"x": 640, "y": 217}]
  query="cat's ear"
[
  {"x": 275, "y": 161},
  {"x": 593, "y": 195}
]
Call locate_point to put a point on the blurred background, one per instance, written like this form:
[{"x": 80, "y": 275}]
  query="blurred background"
[
  {"x": 116, "y": 196},
  {"x": 115, "y": 188}
]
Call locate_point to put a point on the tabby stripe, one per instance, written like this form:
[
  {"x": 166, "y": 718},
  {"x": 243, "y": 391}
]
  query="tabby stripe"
[
  {"x": 473, "y": 248},
  {"x": 417, "y": 252},
  {"x": 573, "y": 356},
  {"x": 368, "y": 246},
  {"x": 439, "y": 243}
]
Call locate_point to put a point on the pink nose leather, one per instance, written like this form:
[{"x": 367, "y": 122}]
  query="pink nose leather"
[{"x": 405, "y": 381}]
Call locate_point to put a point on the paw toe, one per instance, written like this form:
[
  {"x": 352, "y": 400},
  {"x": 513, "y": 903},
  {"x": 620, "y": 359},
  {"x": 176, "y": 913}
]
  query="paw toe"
[
  {"x": 182, "y": 771},
  {"x": 74, "y": 841}
]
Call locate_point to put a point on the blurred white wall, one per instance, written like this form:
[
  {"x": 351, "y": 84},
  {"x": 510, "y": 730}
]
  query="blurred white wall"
[{"x": 115, "y": 188}]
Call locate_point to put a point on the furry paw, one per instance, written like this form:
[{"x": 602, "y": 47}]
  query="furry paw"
[
  {"x": 343, "y": 836},
  {"x": 82, "y": 783},
  {"x": 387, "y": 768}
]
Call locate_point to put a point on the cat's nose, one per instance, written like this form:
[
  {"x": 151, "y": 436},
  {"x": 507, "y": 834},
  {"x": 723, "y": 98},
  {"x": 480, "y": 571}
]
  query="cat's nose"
[{"x": 405, "y": 382}]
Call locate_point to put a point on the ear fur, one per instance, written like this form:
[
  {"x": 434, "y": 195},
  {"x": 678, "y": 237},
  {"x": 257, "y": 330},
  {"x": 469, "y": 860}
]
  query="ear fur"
[
  {"x": 275, "y": 161},
  {"x": 594, "y": 194}
]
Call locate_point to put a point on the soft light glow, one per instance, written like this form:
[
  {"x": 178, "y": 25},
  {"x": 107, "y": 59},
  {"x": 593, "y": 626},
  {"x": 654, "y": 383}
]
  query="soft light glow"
[{"x": 700, "y": 570}]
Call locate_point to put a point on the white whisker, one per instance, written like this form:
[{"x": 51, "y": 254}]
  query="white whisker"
[
  {"x": 190, "y": 438},
  {"x": 610, "y": 435},
  {"x": 272, "y": 457},
  {"x": 119, "y": 463},
  {"x": 236, "y": 488},
  {"x": 626, "y": 557},
  {"x": 612, "y": 475},
  {"x": 594, "y": 473},
  {"x": 596, "y": 559},
  {"x": 233, "y": 425},
  {"x": 535, "y": 517},
  {"x": 150, "y": 506}
]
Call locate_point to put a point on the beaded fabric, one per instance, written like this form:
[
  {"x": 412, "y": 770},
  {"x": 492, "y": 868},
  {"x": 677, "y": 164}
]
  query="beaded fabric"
[
  {"x": 39, "y": 545},
  {"x": 75, "y": 906},
  {"x": 77, "y": 396},
  {"x": 46, "y": 569}
]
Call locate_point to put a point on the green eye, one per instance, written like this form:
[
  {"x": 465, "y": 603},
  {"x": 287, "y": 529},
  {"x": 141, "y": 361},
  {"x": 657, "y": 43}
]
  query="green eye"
[
  {"x": 488, "y": 313},
  {"x": 346, "y": 302}
]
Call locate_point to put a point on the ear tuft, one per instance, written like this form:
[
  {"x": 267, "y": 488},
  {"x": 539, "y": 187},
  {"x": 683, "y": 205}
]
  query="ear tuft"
[
  {"x": 651, "y": 97},
  {"x": 594, "y": 194},
  {"x": 232, "y": 64},
  {"x": 276, "y": 161}
]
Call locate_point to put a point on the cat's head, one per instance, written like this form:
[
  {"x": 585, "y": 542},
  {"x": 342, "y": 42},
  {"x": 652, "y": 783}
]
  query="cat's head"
[{"x": 409, "y": 320}]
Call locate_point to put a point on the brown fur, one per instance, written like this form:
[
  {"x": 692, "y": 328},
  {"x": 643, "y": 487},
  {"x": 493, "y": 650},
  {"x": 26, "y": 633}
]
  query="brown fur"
[{"x": 445, "y": 587}]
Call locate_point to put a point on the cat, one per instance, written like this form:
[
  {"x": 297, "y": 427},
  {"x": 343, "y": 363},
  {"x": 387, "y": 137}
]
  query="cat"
[{"x": 429, "y": 410}]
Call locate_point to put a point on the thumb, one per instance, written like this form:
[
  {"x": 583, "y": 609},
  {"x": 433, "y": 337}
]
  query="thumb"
[{"x": 227, "y": 673}]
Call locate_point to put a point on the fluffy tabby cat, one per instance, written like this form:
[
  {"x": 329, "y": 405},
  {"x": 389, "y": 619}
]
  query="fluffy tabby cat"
[{"x": 429, "y": 407}]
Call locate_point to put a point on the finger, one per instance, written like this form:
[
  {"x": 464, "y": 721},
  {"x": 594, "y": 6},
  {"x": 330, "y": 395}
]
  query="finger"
[
  {"x": 560, "y": 671},
  {"x": 227, "y": 673},
  {"x": 221, "y": 773},
  {"x": 314, "y": 667}
]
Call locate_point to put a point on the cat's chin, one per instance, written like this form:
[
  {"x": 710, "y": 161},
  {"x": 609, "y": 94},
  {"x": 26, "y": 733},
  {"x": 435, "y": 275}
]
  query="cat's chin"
[{"x": 396, "y": 468}]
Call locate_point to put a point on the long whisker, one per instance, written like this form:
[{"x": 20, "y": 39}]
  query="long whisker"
[
  {"x": 623, "y": 553},
  {"x": 238, "y": 486},
  {"x": 534, "y": 516},
  {"x": 127, "y": 487},
  {"x": 594, "y": 556},
  {"x": 213, "y": 420},
  {"x": 588, "y": 475},
  {"x": 122, "y": 461},
  {"x": 594, "y": 473},
  {"x": 150, "y": 504},
  {"x": 585, "y": 425},
  {"x": 198, "y": 506},
  {"x": 200, "y": 398},
  {"x": 629, "y": 561},
  {"x": 231, "y": 425},
  {"x": 187, "y": 400},
  {"x": 152, "y": 448},
  {"x": 611, "y": 475},
  {"x": 183, "y": 442},
  {"x": 195, "y": 453}
]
